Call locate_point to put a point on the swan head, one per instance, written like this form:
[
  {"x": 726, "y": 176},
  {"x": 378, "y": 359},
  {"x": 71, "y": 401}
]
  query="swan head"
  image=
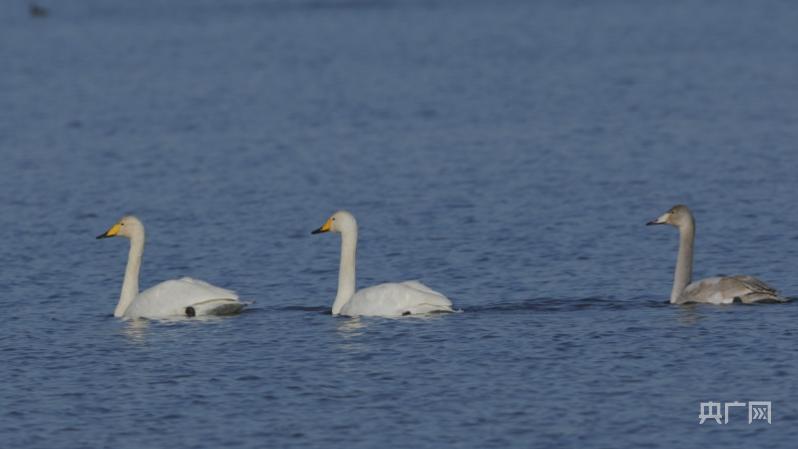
[
  {"x": 677, "y": 216},
  {"x": 127, "y": 226},
  {"x": 340, "y": 222}
]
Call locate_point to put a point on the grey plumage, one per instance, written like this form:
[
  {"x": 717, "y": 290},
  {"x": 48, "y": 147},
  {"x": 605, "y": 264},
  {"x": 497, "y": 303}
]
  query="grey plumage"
[
  {"x": 729, "y": 289},
  {"x": 716, "y": 290}
]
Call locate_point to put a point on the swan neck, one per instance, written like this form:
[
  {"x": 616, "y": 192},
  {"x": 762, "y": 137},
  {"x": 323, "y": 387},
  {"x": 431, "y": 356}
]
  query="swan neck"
[
  {"x": 130, "y": 286},
  {"x": 684, "y": 262},
  {"x": 346, "y": 272}
]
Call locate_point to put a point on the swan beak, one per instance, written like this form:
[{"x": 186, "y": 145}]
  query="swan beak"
[
  {"x": 324, "y": 228},
  {"x": 111, "y": 232},
  {"x": 662, "y": 219}
]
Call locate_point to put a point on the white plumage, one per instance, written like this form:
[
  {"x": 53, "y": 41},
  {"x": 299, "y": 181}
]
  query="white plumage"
[
  {"x": 180, "y": 297},
  {"x": 174, "y": 297},
  {"x": 396, "y": 299},
  {"x": 390, "y": 299}
]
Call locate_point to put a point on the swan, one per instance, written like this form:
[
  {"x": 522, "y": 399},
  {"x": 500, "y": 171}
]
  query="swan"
[
  {"x": 715, "y": 290},
  {"x": 390, "y": 299},
  {"x": 178, "y": 297}
]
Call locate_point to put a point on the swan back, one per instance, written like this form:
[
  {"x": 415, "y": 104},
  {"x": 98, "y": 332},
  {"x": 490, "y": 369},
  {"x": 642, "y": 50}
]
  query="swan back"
[
  {"x": 171, "y": 298},
  {"x": 728, "y": 289},
  {"x": 396, "y": 299}
]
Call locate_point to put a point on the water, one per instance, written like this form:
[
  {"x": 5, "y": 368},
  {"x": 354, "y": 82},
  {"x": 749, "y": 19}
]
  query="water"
[{"x": 506, "y": 153}]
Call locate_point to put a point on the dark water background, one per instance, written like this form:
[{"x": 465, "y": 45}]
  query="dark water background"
[{"x": 505, "y": 153}]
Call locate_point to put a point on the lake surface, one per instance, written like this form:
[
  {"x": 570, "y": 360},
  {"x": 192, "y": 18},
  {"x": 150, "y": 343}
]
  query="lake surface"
[{"x": 505, "y": 153}]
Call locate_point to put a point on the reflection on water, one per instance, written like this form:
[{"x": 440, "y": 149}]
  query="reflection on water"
[
  {"x": 689, "y": 314},
  {"x": 352, "y": 333},
  {"x": 350, "y": 327},
  {"x": 135, "y": 330}
]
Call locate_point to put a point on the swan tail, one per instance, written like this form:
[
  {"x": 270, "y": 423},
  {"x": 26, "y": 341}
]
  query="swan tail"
[
  {"x": 424, "y": 308},
  {"x": 216, "y": 307},
  {"x": 762, "y": 298},
  {"x": 760, "y": 292},
  {"x": 443, "y": 309}
]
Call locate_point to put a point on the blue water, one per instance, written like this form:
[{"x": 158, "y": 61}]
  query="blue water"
[{"x": 505, "y": 153}]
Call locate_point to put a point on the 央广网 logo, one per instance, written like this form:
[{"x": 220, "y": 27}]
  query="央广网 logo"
[{"x": 757, "y": 411}]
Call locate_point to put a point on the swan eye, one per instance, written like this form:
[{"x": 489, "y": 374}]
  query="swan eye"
[{"x": 333, "y": 218}]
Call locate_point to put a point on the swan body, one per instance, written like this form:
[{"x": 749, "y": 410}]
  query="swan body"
[
  {"x": 728, "y": 289},
  {"x": 390, "y": 299},
  {"x": 174, "y": 298},
  {"x": 715, "y": 290},
  {"x": 396, "y": 299}
]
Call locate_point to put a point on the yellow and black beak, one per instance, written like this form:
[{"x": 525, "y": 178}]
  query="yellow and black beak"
[
  {"x": 324, "y": 228},
  {"x": 111, "y": 232}
]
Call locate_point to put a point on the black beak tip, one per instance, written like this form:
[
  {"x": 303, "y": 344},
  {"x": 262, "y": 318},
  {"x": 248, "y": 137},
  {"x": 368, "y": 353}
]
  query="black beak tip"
[
  {"x": 652, "y": 223},
  {"x": 315, "y": 231},
  {"x": 101, "y": 236}
]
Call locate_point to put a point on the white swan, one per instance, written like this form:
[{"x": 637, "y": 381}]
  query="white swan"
[
  {"x": 391, "y": 299},
  {"x": 179, "y": 297},
  {"x": 715, "y": 290}
]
